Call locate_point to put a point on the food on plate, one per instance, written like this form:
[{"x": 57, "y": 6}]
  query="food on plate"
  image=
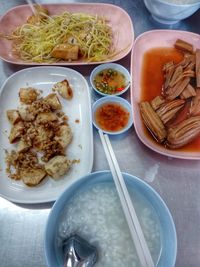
[
  {"x": 13, "y": 116},
  {"x": 32, "y": 177},
  {"x": 67, "y": 36},
  {"x": 28, "y": 95},
  {"x": 184, "y": 132},
  {"x": 65, "y": 51},
  {"x": 41, "y": 133},
  {"x": 64, "y": 135},
  {"x": 153, "y": 121},
  {"x": 110, "y": 81},
  {"x": 57, "y": 166},
  {"x": 111, "y": 117},
  {"x": 16, "y": 132},
  {"x": 53, "y": 101},
  {"x": 64, "y": 89},
  {"x": 171, "y": 111}
]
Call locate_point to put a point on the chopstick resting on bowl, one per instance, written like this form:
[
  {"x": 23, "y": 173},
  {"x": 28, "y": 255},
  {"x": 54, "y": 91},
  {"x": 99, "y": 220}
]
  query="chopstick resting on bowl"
[{"x": 127, "y": 205}]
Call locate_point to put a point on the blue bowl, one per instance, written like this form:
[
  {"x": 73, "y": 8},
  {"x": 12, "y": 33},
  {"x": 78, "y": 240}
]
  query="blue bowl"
[
  {"x": 116, "y": 100},
  {"x": 169, "y": 13},
  {"x": 167, "y": 257}
]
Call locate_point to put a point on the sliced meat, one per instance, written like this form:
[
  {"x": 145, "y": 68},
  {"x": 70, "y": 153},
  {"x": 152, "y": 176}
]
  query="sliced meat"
[
  {"x": 184, "y": 132},
  {"x": 183, "y": 46},
  {"x": 152, "y": 121},
  {"x": 198, "y": 67}
]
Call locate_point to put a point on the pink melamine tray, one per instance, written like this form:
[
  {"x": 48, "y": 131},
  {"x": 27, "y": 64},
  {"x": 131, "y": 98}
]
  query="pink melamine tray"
[
  {"x": 146, "y": 41},
  {"x": 118, "y": 19}
]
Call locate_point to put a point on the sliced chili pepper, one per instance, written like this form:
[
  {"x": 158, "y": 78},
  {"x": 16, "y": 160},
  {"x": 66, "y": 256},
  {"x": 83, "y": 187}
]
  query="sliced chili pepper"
[{"x": 120, "y": 89}]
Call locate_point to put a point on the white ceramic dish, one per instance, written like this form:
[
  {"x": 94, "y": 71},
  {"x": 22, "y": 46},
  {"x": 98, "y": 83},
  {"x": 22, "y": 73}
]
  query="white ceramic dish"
[
  {"x": 113, "y": 66},
  {"x": 170, "y": 13},
  {"x": 80, "y": 148},
  {"x": 116, "y": 100},
  {"x": 146, "y": 41}
]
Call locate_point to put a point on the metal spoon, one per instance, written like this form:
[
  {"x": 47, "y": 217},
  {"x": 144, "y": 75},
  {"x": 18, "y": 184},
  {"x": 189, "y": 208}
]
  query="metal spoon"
[{"x": 78, "y": 252}]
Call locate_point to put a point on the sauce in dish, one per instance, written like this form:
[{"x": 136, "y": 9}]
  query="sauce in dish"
[
  {"x": 152, "y": 85},
  {"x": 95, "y": 213},
  {"x": 112, "y": 117},
  {"x": 110, "y": 81}
]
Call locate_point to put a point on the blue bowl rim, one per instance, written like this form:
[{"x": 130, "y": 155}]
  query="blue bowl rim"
[
  {"x": 106, "y": 66},
  {"x": 114, "y": 99},
  {"x": 179, "y": 5},
  {"x": 56, "y": 207}
]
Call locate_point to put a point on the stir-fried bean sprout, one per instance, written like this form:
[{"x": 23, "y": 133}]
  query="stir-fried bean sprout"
[{"x": 35, "y": 42}]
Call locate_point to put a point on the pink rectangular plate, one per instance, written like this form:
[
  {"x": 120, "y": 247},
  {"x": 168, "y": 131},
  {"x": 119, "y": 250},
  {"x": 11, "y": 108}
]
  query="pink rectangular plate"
[
  {"x": 146, "y": 41},
  {"x": 118, "y": 19}
]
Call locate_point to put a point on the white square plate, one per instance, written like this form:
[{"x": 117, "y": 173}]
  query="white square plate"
[{"x": 78, "y": 108}]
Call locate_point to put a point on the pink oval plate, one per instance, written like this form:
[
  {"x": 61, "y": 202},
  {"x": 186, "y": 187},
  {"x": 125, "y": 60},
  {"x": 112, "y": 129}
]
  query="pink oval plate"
[
  {"x": 118, "y": 19},
  {"x": 146, "y": 41}
]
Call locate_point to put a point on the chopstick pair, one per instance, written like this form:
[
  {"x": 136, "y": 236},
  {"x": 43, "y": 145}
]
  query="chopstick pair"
[
  {"x": 127, "y": 205},
  {"x": 31, "y": 3}
]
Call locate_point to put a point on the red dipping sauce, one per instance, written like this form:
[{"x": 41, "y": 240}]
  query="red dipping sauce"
[{"x": 112, "y": 117}]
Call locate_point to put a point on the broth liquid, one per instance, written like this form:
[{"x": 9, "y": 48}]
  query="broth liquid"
[{"x": 153, "y": 79}]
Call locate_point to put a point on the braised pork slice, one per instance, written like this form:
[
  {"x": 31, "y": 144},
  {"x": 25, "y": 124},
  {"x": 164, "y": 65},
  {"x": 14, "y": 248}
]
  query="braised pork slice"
[
  {"x": 188, "y": 92},
  {"x": 184, "y": 132},
  {"x": 157, "y": 102},
  {"x": 168, "y": 110},
  {"x": 152, "y": 121},
  {"x": 198, "y": 67},
  {"x": 177, "y": 75},
  {"x": 195, "y": 104},
  {"x": 175, "y": 91},
  {"x": 183, "y": 46},
  {"x": 168, "y": 73}
]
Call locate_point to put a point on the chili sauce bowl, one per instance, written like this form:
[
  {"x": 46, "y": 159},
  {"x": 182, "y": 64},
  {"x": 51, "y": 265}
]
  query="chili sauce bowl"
[
  {"x": 112, "y": 115},
  {"x": 116, "y": 70}
]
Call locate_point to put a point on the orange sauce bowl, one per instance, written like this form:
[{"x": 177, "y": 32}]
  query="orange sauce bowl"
[{"x": 112, "y": 115}]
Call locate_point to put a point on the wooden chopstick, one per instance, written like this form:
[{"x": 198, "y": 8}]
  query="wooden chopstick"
[{"x": 127, "y": 205}]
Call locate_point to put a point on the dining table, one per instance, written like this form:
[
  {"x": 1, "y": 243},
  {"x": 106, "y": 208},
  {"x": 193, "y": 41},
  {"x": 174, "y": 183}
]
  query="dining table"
[{"x": 22, "y": 226}]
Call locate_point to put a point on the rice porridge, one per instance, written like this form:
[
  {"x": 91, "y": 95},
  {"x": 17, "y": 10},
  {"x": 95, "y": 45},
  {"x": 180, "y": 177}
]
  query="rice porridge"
[
  {"x": 181, "y": 2},
  {"x": 96, "y": 215}
]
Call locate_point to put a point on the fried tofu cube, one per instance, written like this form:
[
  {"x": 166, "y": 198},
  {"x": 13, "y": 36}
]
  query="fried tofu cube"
[
  {"x": 46, "y": 117},
  {"x": 28, "y": 95},
  {"x": 43, "y": 136},
  {"x": 53, "y": 101},
  {"x": 32, "y": 177},
  {"x": 25, "y": 113},
  {"x": 22, "y": 146},
  {"x": 64, "y": 89},
  {"x": 16, "y": 132},
  {"x": 13, "y": 116},
  {"x": 57, "y": 166},
  {"x": 65, "y": 51},
  {"x": 64, "y": 135}
]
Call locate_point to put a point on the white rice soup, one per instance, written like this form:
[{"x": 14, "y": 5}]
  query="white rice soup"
[
  {"x": 96, "y": 215},
  {"x": 181, "y": 2}
]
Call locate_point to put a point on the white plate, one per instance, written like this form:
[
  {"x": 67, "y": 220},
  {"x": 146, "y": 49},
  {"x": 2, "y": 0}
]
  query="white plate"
[{"x": 80, "y": 148}]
